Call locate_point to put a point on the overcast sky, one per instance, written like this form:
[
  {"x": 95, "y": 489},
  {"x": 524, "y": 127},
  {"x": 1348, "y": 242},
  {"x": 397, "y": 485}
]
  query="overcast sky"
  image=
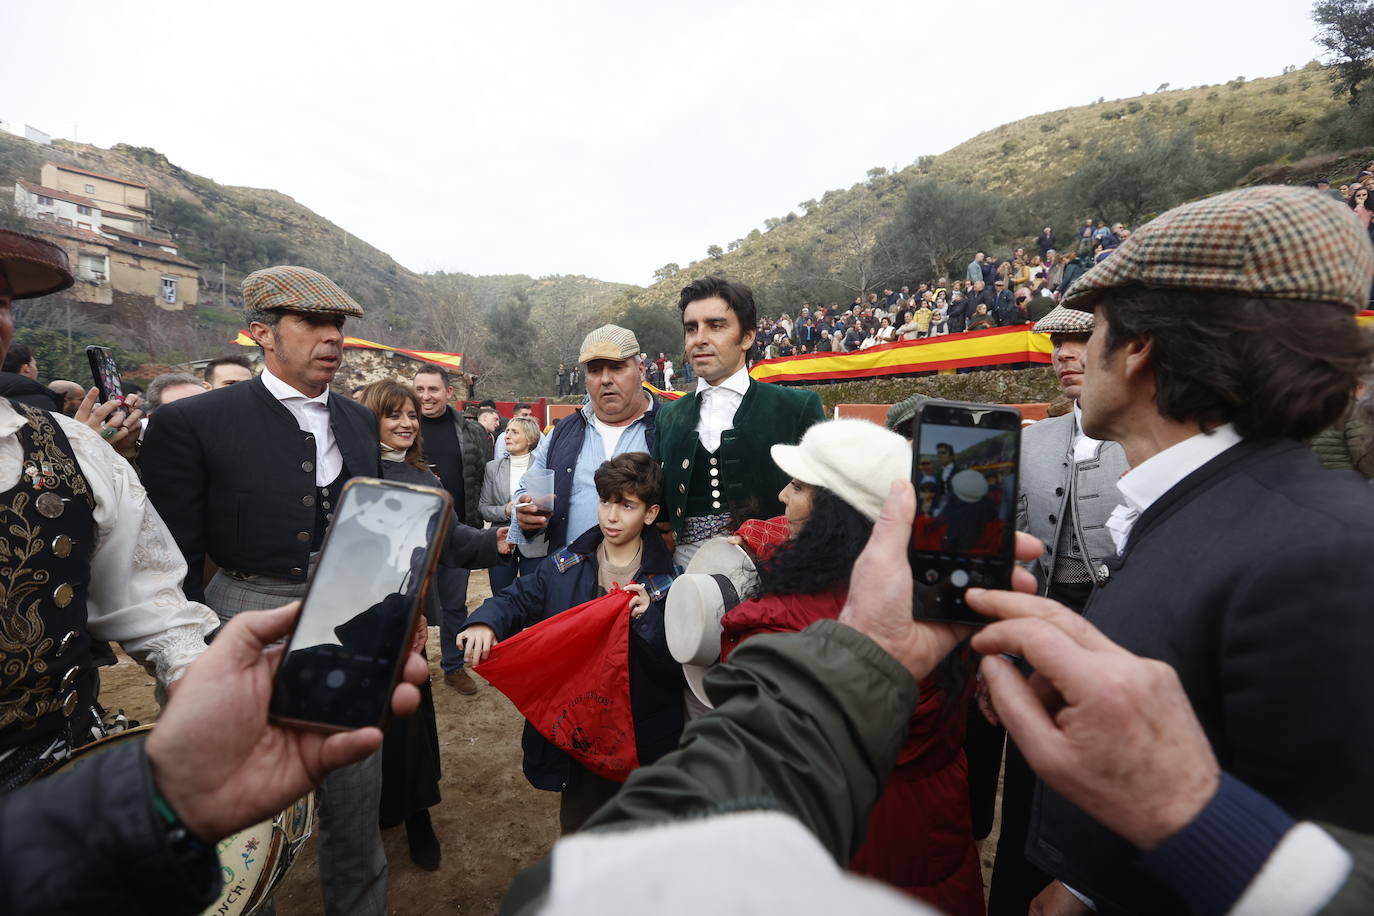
[{"x": 599, "y": 138}]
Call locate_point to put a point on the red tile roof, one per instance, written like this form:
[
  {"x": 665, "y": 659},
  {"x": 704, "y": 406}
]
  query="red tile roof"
[
  {"x": 72, "y": 168},
  {"x": 82, "y": 235},
  {"x": 126, "y": 234},
  {"x": 60, "y": 195}
]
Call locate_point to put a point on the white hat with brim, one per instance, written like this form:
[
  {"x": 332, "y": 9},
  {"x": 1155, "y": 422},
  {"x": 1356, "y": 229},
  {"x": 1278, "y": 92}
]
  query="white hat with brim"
[
  {"x": 854, "y": 459},
  {"x": 717, "y": 576}
]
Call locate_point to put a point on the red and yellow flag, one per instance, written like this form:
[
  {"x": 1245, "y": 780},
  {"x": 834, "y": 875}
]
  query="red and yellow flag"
[
  {"x": 438, "y": 357},
  {"x": 995, "y": 347}
]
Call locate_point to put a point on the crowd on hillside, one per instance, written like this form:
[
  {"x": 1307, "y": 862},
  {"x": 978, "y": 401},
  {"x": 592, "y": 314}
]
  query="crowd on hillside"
[{"x": 993, "y": 292}]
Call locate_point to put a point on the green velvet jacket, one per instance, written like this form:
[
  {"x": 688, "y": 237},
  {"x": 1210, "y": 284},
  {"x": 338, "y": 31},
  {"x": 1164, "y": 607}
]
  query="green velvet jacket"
[{"x": 768, "y": 415}]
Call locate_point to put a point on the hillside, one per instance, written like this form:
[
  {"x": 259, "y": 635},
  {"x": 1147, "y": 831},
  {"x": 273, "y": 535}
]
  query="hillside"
[
  {"x": 827, "y": 246},
  {"x": 249, "y": 228}
]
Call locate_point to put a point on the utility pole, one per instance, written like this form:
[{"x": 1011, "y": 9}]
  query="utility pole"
[{"x": 223, "y": 290}]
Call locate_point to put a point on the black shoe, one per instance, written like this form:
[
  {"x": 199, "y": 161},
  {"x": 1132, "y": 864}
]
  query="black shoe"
[{"x": 424, "y": 845}]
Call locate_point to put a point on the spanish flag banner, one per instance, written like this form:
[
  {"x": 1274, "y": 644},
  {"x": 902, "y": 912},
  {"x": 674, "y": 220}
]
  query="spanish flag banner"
[
  {"x": 995, "y": 347},
  {"x": 667, "y": 395},
  {"x": 438, "y": 357}
]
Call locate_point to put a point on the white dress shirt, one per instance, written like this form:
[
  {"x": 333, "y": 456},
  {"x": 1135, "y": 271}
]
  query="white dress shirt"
[
  {"x": 312, "y": 416},
  {"x": 718, "y": 404},
  {"x": 135, "y": 596},
  {"x": 1157, "y": 475}
]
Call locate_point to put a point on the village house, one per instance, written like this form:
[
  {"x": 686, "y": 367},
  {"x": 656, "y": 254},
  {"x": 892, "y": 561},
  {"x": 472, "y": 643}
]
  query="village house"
[{"x": 104, "y": 223}]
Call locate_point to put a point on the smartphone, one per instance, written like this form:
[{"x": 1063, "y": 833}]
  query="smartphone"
[
  {"x": 346, "y": 652},
  {"x": 964, "y": 468},
  {"x": 106, "y": 376}
]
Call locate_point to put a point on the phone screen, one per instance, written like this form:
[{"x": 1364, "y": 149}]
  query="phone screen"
[
  {"x": 359, "y": 612},
  {"x": 964, "y": 468},
  {"x": 105, "y": 373}
]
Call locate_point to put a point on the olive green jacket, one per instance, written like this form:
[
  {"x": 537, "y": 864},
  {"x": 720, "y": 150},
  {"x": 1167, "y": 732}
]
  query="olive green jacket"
[
  {"x": 829, "y": 695},
  {"x": 768, "y": 415}
]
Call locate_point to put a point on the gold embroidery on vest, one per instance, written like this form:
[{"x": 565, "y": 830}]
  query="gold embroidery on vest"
[{"x": 24, "y": 642}]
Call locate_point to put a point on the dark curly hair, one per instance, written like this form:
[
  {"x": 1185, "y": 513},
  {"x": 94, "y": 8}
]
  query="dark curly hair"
[
  {"x": 1276, "y": 368},
  {"x": 821, "y": 556},
  {"x": 821, "y": 559}
]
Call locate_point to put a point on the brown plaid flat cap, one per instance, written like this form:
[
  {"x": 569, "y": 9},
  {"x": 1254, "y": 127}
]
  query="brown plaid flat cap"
[
  {"x": 296, "y": 289},
  {"x": 1063, "y": 320},
  {"x": 1272, "y": 241}
]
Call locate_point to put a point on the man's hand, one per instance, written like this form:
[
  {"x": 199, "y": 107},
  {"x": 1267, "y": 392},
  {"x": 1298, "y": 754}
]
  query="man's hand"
[
  {"x": 216, "y": 758},
  {"x": 1057, "y": 900},
  {"x": 527, "y": 518},
  {"x": 880, "y": 592},
  {"x": 476, "y": 642},
  {"x": 503, "y": 544},
  {"x": 121, "y": 433},
  {"x": 1112, "y": 732}
]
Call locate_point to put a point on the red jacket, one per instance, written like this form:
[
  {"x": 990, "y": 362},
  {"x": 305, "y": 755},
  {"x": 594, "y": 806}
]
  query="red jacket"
[{"x": 920, "y": 834}]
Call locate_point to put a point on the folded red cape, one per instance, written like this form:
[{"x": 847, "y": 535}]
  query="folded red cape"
[{"x": 570, "y": 677}]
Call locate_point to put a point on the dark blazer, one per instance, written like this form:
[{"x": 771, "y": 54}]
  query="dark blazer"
[
  {"x": 233, "y": 476},
  {"x": 565, "y": 580},
  {"x": 25, "y": 390},
  {"x": 768, "y": 415},
  {"x": 1251, "y": 577}
]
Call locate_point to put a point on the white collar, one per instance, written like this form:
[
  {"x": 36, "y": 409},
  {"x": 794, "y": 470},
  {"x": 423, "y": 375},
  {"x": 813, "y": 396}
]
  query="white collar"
[
  {"x": 1158, "y": 474},
  {"x": 1085, "y": 447},
  {"x": 284, "y": 392},
  {"x": 738, "y": 383}
]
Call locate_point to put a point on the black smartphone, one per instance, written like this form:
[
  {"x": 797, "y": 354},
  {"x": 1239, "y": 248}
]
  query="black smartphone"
[
  {"x": 964, "y": 468},
  {"x": 105, "y": 373},
  {"x": 346, "y": 652}
]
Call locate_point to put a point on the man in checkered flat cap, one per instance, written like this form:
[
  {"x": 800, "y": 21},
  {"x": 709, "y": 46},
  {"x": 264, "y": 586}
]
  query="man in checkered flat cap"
[
  {"x": 1068, "y": 488},
  {"x": 1223, "y": 335},
  {"x": 247, "y": 476}
]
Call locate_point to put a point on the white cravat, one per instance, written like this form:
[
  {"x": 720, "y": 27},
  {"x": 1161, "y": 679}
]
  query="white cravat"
[
  {"x": 1142, "y": 486},
  {"x": 717, "y": 406},
  {"x": 312, "y": 416}
]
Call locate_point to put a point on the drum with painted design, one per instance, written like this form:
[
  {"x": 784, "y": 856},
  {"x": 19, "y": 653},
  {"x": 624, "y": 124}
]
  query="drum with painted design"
[{"x": 254, "y": 861}]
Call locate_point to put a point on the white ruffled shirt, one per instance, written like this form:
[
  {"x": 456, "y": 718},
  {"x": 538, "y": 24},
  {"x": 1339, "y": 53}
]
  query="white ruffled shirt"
[
  {"x": 718, "y": 404},
  {"x": 1141, "y": 486},
  {"x": 135, "y": 596}
]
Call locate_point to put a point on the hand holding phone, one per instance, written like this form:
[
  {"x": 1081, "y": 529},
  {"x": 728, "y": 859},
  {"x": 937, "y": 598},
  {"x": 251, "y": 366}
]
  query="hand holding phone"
[
  {"x": 105, "y": 373},
  {"x": 360, "y": 608},
  {"x": 964, "y": 469}
]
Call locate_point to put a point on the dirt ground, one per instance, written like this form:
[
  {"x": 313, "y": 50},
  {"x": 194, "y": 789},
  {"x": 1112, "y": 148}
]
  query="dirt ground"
[{"x": 491, "y": 822}]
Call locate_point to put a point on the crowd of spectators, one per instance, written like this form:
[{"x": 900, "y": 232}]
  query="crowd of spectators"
[{"x": 994, "y": 292}]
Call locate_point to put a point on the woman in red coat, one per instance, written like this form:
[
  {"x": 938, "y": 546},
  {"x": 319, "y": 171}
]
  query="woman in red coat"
[{"x": 920, "y": 835}]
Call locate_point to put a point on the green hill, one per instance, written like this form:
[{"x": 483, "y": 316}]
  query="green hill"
[
  {"x": 1048, "y": 169},
  {"x": 246, "y": 229}
]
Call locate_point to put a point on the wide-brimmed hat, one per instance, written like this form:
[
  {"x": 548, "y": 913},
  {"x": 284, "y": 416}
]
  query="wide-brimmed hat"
[
  {"x": 1270, "y": 242},
  {"x": 34, "y": 267},
  {"x": 289, "y": 288},
  {"x": 854, "y": 459},
  {"x": 1063, "y": 320},
  {"x": 715, "y": 579}
]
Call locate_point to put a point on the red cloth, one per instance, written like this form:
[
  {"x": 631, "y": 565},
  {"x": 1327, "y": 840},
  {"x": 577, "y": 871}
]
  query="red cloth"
[
  {"x": 763, "y": 536},
  {"x": 920, "y": 834},
  {"x": 569, "y": 676}
]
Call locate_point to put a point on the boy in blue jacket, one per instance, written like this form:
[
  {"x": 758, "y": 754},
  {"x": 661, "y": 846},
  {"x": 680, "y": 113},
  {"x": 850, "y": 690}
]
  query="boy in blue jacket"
[{"x": 624, "y": 548}]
